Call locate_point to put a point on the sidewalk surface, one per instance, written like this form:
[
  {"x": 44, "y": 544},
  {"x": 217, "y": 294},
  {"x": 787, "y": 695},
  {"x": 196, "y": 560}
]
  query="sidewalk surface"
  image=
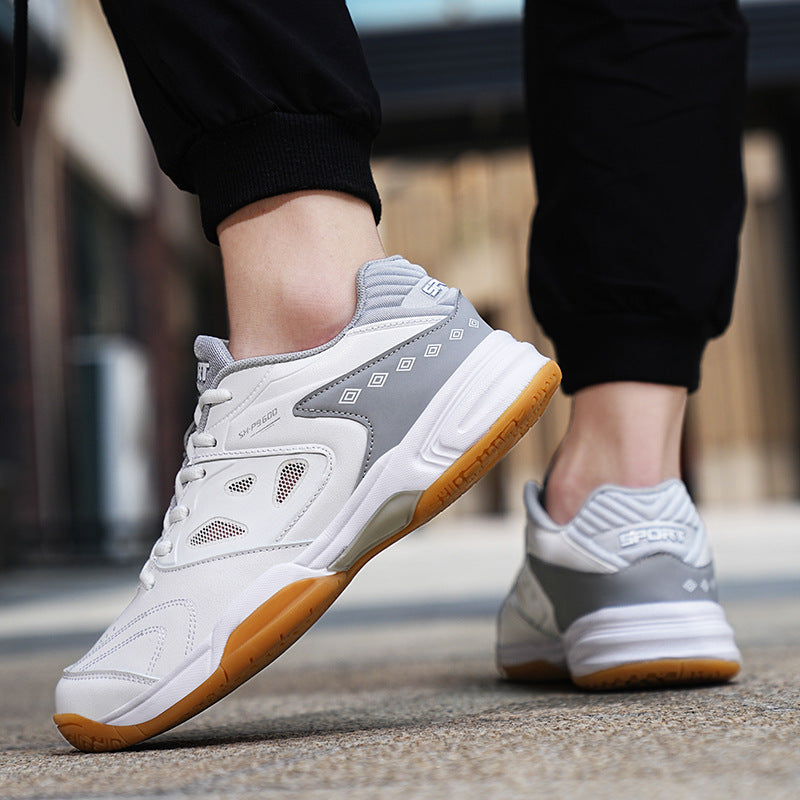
[{"x": 394, "y": 693}]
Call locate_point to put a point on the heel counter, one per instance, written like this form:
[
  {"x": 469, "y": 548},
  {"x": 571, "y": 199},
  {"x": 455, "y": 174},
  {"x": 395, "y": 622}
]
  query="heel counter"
[{"x": 656, "y": 578}]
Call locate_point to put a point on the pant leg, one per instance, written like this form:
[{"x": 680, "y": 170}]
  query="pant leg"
[
  {"x": 635, "y": 111},
  {"x": 249, "y": 99}
]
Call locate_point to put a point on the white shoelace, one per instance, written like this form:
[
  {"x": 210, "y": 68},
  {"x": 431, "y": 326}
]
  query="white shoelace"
[{"x": 178, "y": 512}]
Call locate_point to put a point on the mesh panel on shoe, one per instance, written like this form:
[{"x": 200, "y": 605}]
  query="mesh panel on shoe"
[
  {"x": 240, "y": 485},
  {"x": 215, "y": 531},
  {"x": 289, "y": 476}
]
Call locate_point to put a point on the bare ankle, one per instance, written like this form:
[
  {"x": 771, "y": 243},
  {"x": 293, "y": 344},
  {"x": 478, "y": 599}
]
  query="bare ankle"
[
  {"x": 290, "y": 265},
  {"x": 314, "y": 319},
  {"x": 625, "y": 433}
]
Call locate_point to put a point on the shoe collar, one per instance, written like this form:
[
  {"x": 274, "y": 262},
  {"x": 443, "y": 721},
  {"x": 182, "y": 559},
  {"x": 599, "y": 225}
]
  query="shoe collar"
[{"x": 534, "y": 496}]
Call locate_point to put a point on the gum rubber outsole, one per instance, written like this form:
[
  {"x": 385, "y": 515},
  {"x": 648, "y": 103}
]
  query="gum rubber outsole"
[
  {"x": 641, "y": 675},
  {"x": 662, "y": 672},
  {"x": 290, "y": 612}
]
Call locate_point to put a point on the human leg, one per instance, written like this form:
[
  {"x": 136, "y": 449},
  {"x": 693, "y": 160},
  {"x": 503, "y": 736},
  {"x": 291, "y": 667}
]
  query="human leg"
[
  {"x": 623, "y": 433},
  {"x": 306, "y": 247},
  {"x": 636, "y": 118},
  {"x": 275, "y": 140},
  {"x": 636, "y": 124}
]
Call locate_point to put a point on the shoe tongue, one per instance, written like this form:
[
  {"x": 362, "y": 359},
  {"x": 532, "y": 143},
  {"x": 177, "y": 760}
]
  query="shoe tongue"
[{"x": 212, "y": 356}]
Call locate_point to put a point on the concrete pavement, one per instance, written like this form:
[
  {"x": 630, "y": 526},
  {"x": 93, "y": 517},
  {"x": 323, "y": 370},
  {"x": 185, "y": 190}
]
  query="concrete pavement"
[{"x": 394, "y": 694}]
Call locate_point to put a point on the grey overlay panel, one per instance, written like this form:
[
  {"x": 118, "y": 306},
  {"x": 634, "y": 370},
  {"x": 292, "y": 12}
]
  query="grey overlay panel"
[
  {"x": 388, "y": 394},
  {"x": 660, "y": 578}
]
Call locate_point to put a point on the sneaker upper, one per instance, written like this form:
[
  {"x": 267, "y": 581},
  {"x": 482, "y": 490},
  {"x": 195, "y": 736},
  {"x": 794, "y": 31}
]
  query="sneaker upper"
[
  {"x": 278, "y": 443},
  {"x": 623, "y": 547}
]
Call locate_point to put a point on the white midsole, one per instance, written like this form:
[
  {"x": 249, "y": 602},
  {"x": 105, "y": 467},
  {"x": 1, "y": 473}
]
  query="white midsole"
[
  {"x": 614, "y": 636},
  {"x": 461, "y": 412},
  {"x": 620, "y": 635}
]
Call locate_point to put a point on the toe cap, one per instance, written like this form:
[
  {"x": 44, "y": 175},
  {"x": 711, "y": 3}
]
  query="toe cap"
[{"x": 96, "y": 695}]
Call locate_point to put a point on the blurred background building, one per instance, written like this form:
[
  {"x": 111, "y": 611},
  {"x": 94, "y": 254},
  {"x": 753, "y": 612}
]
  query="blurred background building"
[{"x": 105, "y": 277}]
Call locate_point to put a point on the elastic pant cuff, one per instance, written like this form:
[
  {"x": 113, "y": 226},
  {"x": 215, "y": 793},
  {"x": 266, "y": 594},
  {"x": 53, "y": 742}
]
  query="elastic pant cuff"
[
  {"x": 628, "y": 349},
  {"x": 276, "y": 154}
]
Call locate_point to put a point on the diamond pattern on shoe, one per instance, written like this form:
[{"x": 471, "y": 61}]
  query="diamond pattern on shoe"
[{"x": 622, "y": 595}]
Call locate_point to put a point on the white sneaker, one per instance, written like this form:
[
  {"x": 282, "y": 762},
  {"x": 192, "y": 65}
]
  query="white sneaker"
[
  {"x": 623, "y": 595},
  {"x": 298, "y": 469}
]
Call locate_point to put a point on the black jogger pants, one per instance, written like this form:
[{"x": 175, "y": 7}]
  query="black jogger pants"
[{"x": 635, "y": 115}]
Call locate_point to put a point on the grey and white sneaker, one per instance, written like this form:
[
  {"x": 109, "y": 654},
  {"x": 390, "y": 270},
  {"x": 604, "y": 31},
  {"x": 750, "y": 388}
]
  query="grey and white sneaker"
[
  {"x": 623, "y": 595},
  {"x": 298, "y": 469}
]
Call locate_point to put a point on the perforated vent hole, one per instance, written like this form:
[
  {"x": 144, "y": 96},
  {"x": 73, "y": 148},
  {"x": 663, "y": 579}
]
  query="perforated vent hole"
[
  {"x": 289, "y": 476},
  {"x": 215, "y": 531},
  {"x": 240, "y": 485}
]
